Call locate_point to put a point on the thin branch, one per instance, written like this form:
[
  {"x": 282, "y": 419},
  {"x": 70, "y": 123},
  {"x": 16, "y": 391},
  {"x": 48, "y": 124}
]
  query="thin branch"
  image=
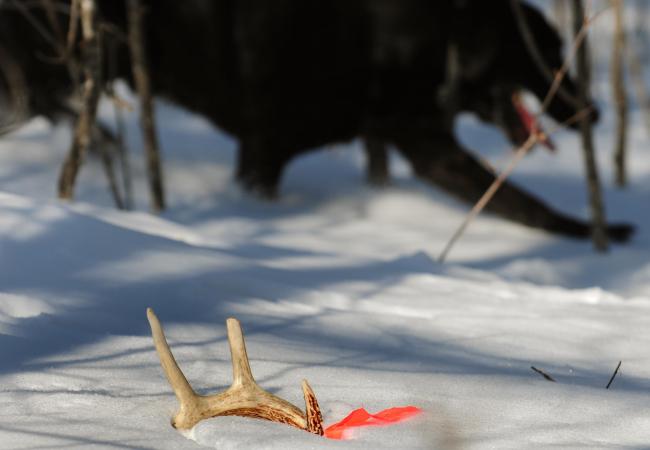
[
  {"x": 535, "y": 137},
  {"x": 620, "y": 94},
  {"x": 147, "y": 116},
  {"x": 120, "y": 128},
  {"x": 518, "y": 155},
  {"x": 613, "y": 375},
  {"x": 38, "y": 26},
  {"x": 577, "y": 43},
  {"x": 72, "y": 26},
  {"x": 599, "y": 234},
  {"x": 487, "y": 196},
  {"x": 544, "y": 374},
  {"x": 105, "y": 146},
  {"x": 536, "y": 55}
]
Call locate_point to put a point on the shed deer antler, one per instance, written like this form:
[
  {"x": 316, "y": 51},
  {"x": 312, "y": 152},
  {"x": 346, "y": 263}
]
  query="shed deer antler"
[{"x": 243, "y": 398}]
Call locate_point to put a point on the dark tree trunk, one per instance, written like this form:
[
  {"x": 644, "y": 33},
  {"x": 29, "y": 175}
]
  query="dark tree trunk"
[
  {"x": 147, "y": 113},
  {"x": 620, "y": 94},
  {"x": 599, "y": 235},
  {"x": 90, "y": 93}
]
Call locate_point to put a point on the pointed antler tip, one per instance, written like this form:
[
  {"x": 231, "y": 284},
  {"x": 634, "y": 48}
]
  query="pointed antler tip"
[
  {"x": 151, "y": 316},
  {"x": 234, "y": 327},
  {"x": 313, "y": 413}
]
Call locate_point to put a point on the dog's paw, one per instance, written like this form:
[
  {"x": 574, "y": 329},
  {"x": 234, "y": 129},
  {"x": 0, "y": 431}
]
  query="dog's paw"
[{"x": 621, "y": 232}]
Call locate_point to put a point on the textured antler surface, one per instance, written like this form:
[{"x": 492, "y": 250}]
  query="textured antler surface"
[{"x": 243, "y": 398}]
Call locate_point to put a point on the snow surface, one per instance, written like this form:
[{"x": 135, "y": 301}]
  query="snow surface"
[{"x": 336, "y": 283}]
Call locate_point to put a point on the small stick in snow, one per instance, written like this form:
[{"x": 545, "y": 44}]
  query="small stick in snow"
[
  {"x": 544, "y": 374},
  {"x": 613, "y": 375}
]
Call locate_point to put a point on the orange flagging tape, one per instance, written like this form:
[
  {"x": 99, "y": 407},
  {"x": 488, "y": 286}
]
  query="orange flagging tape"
[
  {"x": 362, "y": 418},
  {"x": 531, "y": 124}
]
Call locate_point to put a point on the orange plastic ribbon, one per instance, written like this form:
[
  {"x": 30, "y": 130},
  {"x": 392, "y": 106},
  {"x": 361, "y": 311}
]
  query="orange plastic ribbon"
[
  {"x": 532, "y": 125},
  {"x": 362, "y": 418}
]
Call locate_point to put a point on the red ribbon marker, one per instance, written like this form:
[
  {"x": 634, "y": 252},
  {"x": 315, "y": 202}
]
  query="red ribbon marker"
[
  {"x": 530, "y": 122},
  {"x": 362, "y": 418}
]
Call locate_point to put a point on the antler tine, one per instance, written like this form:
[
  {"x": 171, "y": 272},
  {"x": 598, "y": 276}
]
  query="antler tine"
[
  {"x": 175, "y": 376},
  {"x": 314, "y": 416},
  {"x": 241, "y": 369}
]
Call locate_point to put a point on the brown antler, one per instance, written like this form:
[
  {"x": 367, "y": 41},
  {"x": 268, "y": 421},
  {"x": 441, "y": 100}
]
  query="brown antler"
[{"x": 243, "y": 398}]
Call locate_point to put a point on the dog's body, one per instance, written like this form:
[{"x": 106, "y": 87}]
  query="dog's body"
[{"x": 288, "y": 76}]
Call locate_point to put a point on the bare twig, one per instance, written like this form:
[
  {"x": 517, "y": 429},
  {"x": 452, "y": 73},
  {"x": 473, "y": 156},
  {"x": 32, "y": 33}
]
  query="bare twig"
[
  {"x": 90, "y": 91},
  {"x": 120, "y": 142},
  {"x": 519, "y": 153},
  {"x": 544, "y": 374},
  {"x": 72, "y": 26},
  {"x": 577, "y": 44},
  {"x": 533, "y": 139},
  {"x": 536, "y": 55},
  {"x": 37, "y": 25},
  {"x": 147, "y": 119},
  {"x": 109, "y": 171},
  {"x": 65, "y": 51},
  {"x": 50, "y": 12},
  {"x": 613, "y": 375},
  {"x": 620, "y": 94},
  {"x": 54, "y": 35},
  {"x": 487, "y": 196}
]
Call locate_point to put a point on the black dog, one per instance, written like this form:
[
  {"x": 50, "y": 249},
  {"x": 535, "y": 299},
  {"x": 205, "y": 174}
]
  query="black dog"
[{"x": 289, "y": 76}]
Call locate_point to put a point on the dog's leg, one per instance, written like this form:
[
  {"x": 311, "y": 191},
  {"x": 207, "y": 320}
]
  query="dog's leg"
[
  {"x": 441, "y": 161},
  {"x": 260, "y": 167},
  {"x": 377, "y": 161}
]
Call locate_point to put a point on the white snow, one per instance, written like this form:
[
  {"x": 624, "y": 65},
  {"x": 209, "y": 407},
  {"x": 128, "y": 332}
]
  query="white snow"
[{"x": 336, "y": 283}]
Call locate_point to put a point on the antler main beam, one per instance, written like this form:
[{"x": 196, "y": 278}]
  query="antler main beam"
[{"x": 243, "y": 398}]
